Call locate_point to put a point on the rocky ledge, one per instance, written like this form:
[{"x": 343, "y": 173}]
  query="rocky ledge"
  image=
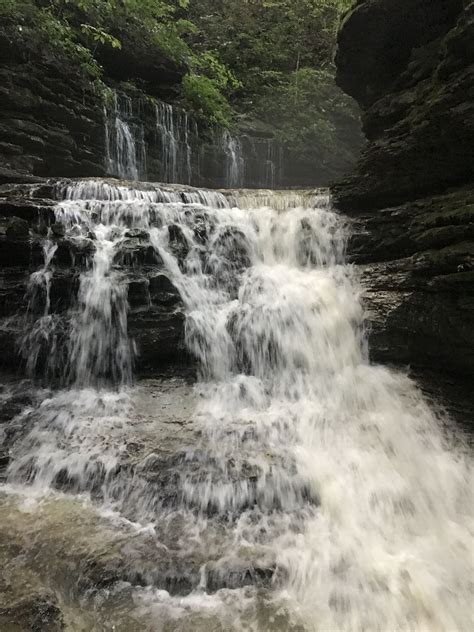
[
  {"x": 417, "y": 264},
  {"x": 411, "y": 196},
  {"x": 155, "y": 315}
]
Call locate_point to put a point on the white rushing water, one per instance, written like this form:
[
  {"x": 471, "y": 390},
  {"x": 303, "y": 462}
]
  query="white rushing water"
[
  {"x": 125, "y": 148},
  {"x": 174, "y": 150},
  {"x": 327, "y": 479},
  {"x": 235, "y": 162},
  {"x": 178, "y": 136}
]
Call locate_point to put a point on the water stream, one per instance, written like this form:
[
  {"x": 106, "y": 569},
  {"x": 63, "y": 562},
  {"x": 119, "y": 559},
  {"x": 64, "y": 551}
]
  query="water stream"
[
  {"x": 125, "y": 148},
  {"x": 293, "y": 487},
  {"x": 165, "y": 143}
]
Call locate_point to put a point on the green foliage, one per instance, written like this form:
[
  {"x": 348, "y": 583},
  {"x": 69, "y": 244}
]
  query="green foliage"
[
  {"x": 203, "y": 96},
  {"x": 76, "y": 28},
  {"x": 8, "y": 7},
  {"x": 210, "y": 65},
  {"x": 99, "y": 36},
  {"x": 207, "y": 86},
  {"x": 281, "y": 55},
  {"x": 310, "y": 114},
  {"x": 79, "y": 29},
  {"x": 253, "y": 37}
]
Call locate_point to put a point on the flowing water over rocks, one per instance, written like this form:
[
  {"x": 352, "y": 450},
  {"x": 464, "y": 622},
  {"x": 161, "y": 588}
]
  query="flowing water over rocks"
[
  {"x": 292, "y": 486},
  {"x": 162, "y": 141}
]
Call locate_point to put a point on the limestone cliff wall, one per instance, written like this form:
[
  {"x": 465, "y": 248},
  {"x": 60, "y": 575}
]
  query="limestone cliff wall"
[
  {"x": 410, "y": 65},
  {"x": 50, "y": 115}
]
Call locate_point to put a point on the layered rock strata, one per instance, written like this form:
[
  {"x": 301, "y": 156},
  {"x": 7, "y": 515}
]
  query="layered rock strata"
[
  {"x": 155, "y": 318},
  {"x": 410, "y": 67}
]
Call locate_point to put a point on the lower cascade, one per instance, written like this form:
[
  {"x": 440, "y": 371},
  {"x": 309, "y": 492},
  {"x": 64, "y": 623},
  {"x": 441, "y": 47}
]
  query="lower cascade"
[{"x": 293, "y": 487}]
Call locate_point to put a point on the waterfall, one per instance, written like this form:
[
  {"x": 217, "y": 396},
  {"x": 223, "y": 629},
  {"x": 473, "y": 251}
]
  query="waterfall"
[
  {"x": 280, "y": 201},
  {"x": 172, "y": 150},
  {"x": 176, "y": 134},
  {"x": 125, "y": 140},
  {"x": 188, "y": 128},
  {"x": 126, "y": 149},
  {"x": 169, "y": 143},
  {"x": 274, "y": 163},
  {"x": 310, "y": 490},
  {"x": 266, "y": 158},
  {"x": 39, "y": 322},
  {"x": 234, "y": 161}
]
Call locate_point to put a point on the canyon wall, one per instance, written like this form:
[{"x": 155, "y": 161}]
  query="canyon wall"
[{"x": 409, "y": 64}]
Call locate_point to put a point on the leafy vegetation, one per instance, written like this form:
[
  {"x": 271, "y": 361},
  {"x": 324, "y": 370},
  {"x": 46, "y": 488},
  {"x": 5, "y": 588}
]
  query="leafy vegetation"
[
  {"x": 77, "y": 28},
  {"x": 311, "y": 116},
  {"x": 281, "y": 54}
]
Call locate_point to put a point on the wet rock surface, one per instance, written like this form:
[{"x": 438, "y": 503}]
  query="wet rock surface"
[
  {"x": 417, "y": 267},
  {"x": 204, "y": 505},
  {"x": 17, "y": 397},
  {"x": 156, "y": 320},
  {"x": 50, "y": 121},
  {"x": 418, "y": 101},
  {"x": 411, "y": 196},
  {"x": 57, "y": 552},
  {"x": 37, "y": 613}
]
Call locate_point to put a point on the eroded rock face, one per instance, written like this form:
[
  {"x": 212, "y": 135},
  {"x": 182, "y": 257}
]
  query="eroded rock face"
[
  {"x": 410, "y": 66},
  {"x": 368, "y": 66},
  {"x": 50, "y": 121},
  {"x": 417, "y": 263},
  {"x": 418, "y": 99},
  {"x": 155, "y": 308}
]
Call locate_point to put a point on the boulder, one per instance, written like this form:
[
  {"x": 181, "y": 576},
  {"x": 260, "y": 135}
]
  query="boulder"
[
  {"x": 178, "y": 242},
  {"x": 159, "y": 337},
  {"x": 163, "y": 292},
  {"x": 138, "y": 294},
  {"x": 135, "y": 252}
]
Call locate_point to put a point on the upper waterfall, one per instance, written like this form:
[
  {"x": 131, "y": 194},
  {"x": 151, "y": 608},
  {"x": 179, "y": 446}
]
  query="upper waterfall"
[{"x": 165, "y": 143}]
